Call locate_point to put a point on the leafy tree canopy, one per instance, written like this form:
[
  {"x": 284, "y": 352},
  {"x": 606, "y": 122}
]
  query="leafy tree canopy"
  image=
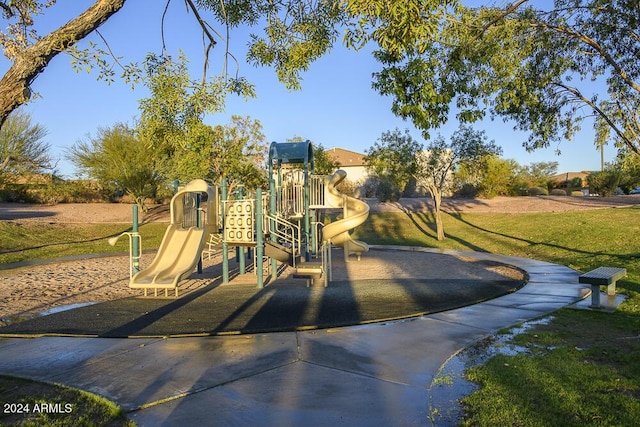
[
  {"x": 392, "y": 158},
  {"x": 117, "y": 159},
  {"x": 533, "y": 63},
  {"x": 288, "y": 35}
]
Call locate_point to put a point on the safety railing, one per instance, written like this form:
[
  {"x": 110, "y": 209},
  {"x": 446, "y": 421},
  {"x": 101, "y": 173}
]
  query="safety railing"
[
  {"x": 285, "y": 232},
  {"x": 317, "y": 185}
]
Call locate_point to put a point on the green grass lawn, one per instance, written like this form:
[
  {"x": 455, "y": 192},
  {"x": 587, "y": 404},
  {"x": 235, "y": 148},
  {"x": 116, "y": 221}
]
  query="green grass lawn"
[
  {"x": 34, "y": 241},
  {"x": 583, "y": 367}
]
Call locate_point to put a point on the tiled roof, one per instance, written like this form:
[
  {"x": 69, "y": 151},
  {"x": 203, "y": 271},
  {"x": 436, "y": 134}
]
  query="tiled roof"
[{"x": 346, "y": 157}]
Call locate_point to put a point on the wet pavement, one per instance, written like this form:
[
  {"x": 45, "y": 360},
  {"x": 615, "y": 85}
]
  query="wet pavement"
[{"x": 368, "y": 375}]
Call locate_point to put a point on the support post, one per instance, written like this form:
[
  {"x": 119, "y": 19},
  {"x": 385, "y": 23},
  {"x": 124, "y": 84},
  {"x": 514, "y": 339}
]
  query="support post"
[
  {"x": 225, "y": 245},
  {"x": 135, "y": 252},
  {"x": 345, "y": 214},
  {"x": 307, "y": 220},
  {"x": 199, "y": 225},
  {"x": 259, "y": 239},
  {"x": 241, "y": 259}
]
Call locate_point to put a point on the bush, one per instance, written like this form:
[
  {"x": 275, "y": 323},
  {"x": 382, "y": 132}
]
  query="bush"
[
  {"x": 538, "y": 191},
  {"x": 78, "y": 191},
  {"x": 369, "y": 187},
  {"x": 604, "y": 182},
  {"x": 468, "y": 191},
  {"x": 387, "y": 192},
  {"x": 348, "y": 187},
  {"x": 577, "y": 193},
  {"x": 558, "y": 192}
]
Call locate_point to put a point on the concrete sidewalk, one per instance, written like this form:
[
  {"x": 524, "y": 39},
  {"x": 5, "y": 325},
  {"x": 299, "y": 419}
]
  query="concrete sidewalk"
[{"x": 370, "y": 375}]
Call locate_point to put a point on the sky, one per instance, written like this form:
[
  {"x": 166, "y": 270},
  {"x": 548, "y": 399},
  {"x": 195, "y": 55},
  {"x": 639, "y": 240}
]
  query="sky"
[{"x": 336, "y": 107}]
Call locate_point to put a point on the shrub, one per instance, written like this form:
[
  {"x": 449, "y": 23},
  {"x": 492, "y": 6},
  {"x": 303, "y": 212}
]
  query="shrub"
[
  {"x": 348, "y": 187},
  {"x": 604, "y": 182},
  {"x": 387, "y": 192},
  {"x": 558, "y": 192},
  {"x": 369, "y": 187},
  {"x": 468, "y": 191},
  {"x": 538, "y": 191},
  {"x": 577, "y": 193}
]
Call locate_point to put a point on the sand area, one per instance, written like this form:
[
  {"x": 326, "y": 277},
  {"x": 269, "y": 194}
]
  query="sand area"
[{"x": 29, "y": 290}]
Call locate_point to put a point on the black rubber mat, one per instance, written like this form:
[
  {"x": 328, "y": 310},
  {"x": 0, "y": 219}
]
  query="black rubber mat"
[{"x": 237, "y": 308}]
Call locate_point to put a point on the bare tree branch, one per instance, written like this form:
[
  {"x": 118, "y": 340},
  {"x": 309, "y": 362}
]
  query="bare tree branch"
[
  {"x": 575, "y": 92},
  {"x": 15, "y": 84}
]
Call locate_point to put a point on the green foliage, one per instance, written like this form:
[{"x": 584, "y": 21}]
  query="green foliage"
[
  {"x": 558, "y": 192},
  {"x": 395, "y": 26},
  {"x": 629, "y": 165},
  {"x": 171, "y": 124},
  {"x": 538, "y": 174},
  {"x": 604, "y": 183},
  {"x": 437, "y": 162},
  {"x": 239, "y": 152},
  {"x": 78, "y": 408},
  {"x": 392, "y": 159},
  {"x": 35, "y": 240},
  {"x": 323, "y": 164},
  {"x": 527, "y": 63},
  {"x": 576, "y": 182},
  {"x": 538, "y": 191},
  {"x": 386, "y": 191},
  {"x": 498, "y": 176},
  {"x": 22, "y": 148},
  {"x": 292, "y": 41},
  {"x": 117, "y": 159},
  {"x": 57, "y": 191},
  {"x": 177, "y": 103},
  {"x": 468, "y": 150}
]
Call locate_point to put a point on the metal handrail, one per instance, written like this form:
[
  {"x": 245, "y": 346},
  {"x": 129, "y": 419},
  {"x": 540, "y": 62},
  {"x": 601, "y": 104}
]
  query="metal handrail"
[{"x": 285, "y": 231}]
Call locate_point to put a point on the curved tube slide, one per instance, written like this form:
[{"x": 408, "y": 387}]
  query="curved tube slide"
[{"x": 355, "y": 213}]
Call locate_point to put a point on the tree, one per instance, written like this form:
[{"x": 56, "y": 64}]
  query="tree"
[
  {"x": 604, "y": 183},
  {"x": 296, "y": 33},
  {"x": 391, "y": 160},
  {"x": 116, "y": 158},
  {"x": 31, "y": 53},
  {"x": 492, "y": 177},
  {"x": 530, "y": 63},
  {"x": 22, "y": 148},
  {"x": 323, "y": 164},
  {"x": 239, "y": 153},
  {"x": 629, "y": 167},
  {"x": 437, "y": 162},
  {"x": 539, "y": 174}
]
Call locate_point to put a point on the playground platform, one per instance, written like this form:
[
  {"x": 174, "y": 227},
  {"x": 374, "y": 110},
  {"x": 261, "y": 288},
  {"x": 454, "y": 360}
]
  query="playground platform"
[{"x": 377, "y": 372}]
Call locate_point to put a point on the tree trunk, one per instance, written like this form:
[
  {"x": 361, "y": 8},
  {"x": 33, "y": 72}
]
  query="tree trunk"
[
  {"x": 15, "y": 84},
  {"x": 437, "y": 198}
]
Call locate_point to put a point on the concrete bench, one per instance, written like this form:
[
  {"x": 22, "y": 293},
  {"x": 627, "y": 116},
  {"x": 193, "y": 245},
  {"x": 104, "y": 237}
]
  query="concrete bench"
[{"x": 607, "y": 276}]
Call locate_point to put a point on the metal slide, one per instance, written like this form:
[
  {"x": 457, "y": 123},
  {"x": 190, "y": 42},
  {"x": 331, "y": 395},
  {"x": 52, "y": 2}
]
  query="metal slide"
[
  {"x": 181, "y": 246},
  {"x": 355, "y": 213}
]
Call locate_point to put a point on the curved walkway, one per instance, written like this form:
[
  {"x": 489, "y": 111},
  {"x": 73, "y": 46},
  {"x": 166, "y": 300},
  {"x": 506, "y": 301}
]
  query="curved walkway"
[{"x": 377, "y": 374}]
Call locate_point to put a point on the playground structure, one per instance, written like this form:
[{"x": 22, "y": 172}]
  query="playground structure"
[{"x": 280, "y": 226}]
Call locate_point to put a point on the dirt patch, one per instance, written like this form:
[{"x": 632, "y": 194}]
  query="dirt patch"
[
  {"x": 81, "y": 213},
  {"x": 122, "y": 213}
]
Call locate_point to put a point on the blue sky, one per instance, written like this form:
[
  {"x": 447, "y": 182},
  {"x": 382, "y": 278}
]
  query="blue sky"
[{"x": 336, "y": 107}]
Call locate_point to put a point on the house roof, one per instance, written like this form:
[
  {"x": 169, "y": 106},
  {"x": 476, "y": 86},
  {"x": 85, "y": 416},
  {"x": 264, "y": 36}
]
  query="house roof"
[
  {"x": 568, "y": 176},
  {"x": 346, "y": 158}
]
